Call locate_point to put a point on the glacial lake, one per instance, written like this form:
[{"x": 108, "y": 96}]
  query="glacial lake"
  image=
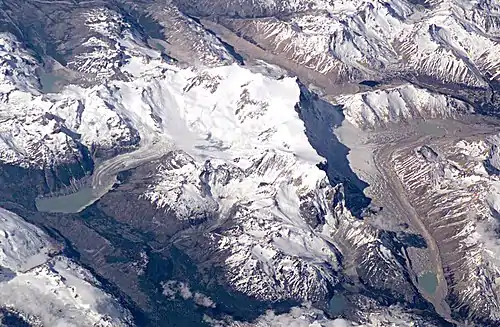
[
  {"x": 337, "y": 304},
  {"x": 70, "y": 203},
  {"x": 428, "y": 281},
  {"x": 49, "y": 81}
]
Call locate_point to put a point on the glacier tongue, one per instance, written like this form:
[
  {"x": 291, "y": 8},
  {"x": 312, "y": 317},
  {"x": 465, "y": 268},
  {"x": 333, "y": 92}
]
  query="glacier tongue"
[{"x": 456, "y": 191}]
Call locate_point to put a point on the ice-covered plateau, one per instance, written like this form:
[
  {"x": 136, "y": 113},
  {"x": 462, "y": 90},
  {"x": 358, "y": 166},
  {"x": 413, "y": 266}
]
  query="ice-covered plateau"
[{"x": 42, "y": 287}]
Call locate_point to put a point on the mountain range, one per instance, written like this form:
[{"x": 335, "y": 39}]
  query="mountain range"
[{"x": 249, "y": 163}]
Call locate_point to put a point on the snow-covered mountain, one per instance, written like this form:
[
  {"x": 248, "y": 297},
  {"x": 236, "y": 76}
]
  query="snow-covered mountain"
[
  {"x": 270, "y": 208},
  {"x": 257, "y": 190},
  {"x": 376, "y": 108},
  {"x": 110, "y": 44},
  {"x": 44, "y": 288},
  {"x": 452, "y": 186},
  {"x": 441, "y": 41},
  {"x": 53, "y": 127},
  {"x": 172, "y": 134}
]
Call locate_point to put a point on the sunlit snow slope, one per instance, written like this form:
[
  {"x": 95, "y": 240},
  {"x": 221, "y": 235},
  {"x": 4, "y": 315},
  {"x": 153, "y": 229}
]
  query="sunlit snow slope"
[{"x": 46, "y": 288}]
